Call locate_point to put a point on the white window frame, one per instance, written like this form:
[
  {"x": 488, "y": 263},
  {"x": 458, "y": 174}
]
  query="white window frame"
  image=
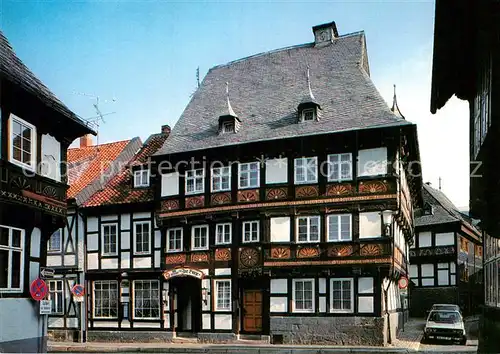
[
  {"x": 248, "y": 165},
  {"x": 54, "y": 299},
  {"x": 332, "y": 310},
  {"x": 308, "y": 218},
  {"x": 305, "y": 168},
  {"x": 103, "y": 226},
  {"x": 108, "y": 297},
  {"x": 339, "y": 231},
  {"x": 294, "y": 305},
  {"x": 193, "y": 175},
  {"x": 220, "y": 177},
  {"x": 135, "y": 224},
  {"x": 141, "y": 178},
  {"x": 193, "y": 232},
  {"x": 309, "y": 110},
  {"x": 175, "y": 230},
  {"x": 336, "y": 159},
  {"x": 217, "y": 294},
  {"x": 33, "y": 143},
  {"x": 222, "y": 227},
  {"x": 150, "y": 282},
  {"x": 251, "y": 225},
  {"x": 10, "y": 249},
  {"x": 50, "y": 249}
]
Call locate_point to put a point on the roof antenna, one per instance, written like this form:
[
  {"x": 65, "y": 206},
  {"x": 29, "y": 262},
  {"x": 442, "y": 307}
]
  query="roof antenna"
[
  {"x": 229, "y": 108},
  {"x": 309, "y": 84},
  {"x": 439, "y": 183},
  {"x": 198, "y": 76},
  {"x": 395, "y": 108}
]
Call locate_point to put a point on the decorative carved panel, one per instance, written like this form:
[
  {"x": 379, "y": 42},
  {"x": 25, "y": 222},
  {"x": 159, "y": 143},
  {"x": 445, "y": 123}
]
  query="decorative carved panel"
[
  {"x": 223, "y": 254},
  {"x": 432, "y": 251},
  {"x": 195, "y": 202},
  {"x": 339, "y": 189},
  {"x": 249, "y": 257},
  {"x": 340, "y": 251},
  {"x": 276, "y": 193},
  {"x": 221, "y": 198},
  {"x": 175, "y": 258},
  {"x": 249, "y": 195},
  {"x": 306, "y": 191},
  {"x": 172, "y": 204},
  {"x": 199, "y": 257},
  {"x": 370, "y": 250},
  {"x": 307, "y": 252},
  {"x": 373, "y": 187},
  {"x": 280, "y": 253}
]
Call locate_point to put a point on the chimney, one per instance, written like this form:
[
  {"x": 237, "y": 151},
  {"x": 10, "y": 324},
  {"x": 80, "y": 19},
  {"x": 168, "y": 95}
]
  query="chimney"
[
  {"x": 165, "y": 129},
  {"x": 325, "y": 34},
  {"x": 86, "y": 141}
]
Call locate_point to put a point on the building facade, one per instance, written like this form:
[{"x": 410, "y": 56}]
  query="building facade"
[
  {"x": 285, "y": 201},
  {"x": 35, "y": 132},
  {"x": 465, "y": 64},
  {"x": 446, "y": 258}
]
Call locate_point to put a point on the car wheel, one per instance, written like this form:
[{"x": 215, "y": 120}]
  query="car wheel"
[
  {"x": 425, "y": 339},
  {"x": 463, "y": 341}
]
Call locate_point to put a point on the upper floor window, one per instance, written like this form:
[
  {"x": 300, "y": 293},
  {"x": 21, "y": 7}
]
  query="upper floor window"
[
  {"x": 11, "y": 259},
  {"x": 199, "y": 237},
  {"x": 223, "y": 233},
  {"x": 306, "y": 170},
  {"x": 339, "y": 227},
  {"x": 251, "y": 231},
  {"x": 109, "y": 239},
  {"x": 195, "y": 181},
  {"x": 308, "y": 229},
  {"x": 221, "y": 179},
  {"x": 22, "y": 143},
  {"x": 372, "y": 162},
  {"x": 249, "y": 174},
  {"x": 228, "y": 127},
  {"x": 54, "y": 243},
  {"x": 174, "y": 240},
  {"x": 142, "y": 237},
  {"x": 340, "y": 167},
  {"x": 308, "y": 114},
  {"x": 141, "y": 178}
]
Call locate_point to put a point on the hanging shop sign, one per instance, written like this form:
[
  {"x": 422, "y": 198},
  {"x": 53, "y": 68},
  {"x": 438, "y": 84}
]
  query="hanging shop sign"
[{"x": 183, "y": 272}]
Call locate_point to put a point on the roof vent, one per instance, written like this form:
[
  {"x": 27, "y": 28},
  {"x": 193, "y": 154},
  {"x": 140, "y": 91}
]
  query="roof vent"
[{"x": 325, "y": 33}]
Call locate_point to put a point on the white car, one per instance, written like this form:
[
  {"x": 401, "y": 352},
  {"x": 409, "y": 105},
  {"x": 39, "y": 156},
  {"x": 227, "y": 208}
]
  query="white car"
[{"x": 445, "y": 324}]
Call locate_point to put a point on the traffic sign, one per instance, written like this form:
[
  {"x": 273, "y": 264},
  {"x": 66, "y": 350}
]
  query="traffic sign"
[
  {"x": 403, "y": 283},
  {"x": 38, "y": 289},
  {"x": 78, "y": 290},
  {"x": 47, "y": 272},
  {"x": 45, "y": 307}
]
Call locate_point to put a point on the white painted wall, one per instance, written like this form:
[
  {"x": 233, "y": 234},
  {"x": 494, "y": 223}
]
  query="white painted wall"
[
  {"x": 445, "y": 239},
  {"x": 370, "y": 225},
  {"x": 322, "y": 285},
  {"x": 365, "y": 285},
  {"x": 206, "y": 321},
  {"x": 424, "y": 239},
  {"x": 142, "y": 215},
  {"x": 223, "y": 321},
  {"x": 207, "y": 284},
  {"x": 125, "y": 222},
  {"x": 143, "y": 262},
  {"x": 69, "y": 260},
  {"x": 280, "y": 229},
  {"x": 222, "y": 271},
  {"x": 92, "y": 225},
  {"x": 125, "y": 260},
  {"x": 278, "y": 304},
  {"x": 169, "y": 184},
  {"x": 322, "y": 304},
  {"x": 279, "y": 286},
  {"x": 53, "y": 261},
  {"x": 157, "y": 259},
  {"x": 92, "y": 242},
  {"x": 277, "y": 171},
  {"x": 112, "y": 217},
  {"x": 35, "y": 242},
  {"x": 372, "y": 162},
  {"x": 157, "y": 239},
  {"x": 109, "y": 263},
  {"x": 51, "y": 158},
  {"x": 365, "y": 304},
  {"x": 125, "y": 239},
  {"x": 92, "y": 261}
]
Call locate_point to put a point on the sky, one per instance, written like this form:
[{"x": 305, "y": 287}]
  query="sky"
[{"x": 140, "y": 58}]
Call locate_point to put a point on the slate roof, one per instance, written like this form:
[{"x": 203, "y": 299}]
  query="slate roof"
[
  {"x": 13, "y": 69},
  {"x": 266, "y": 89},
  {"x": 443, "y": 210},
  {"x": 89, "y": 168},
  {"x": 119, "y": 190}
]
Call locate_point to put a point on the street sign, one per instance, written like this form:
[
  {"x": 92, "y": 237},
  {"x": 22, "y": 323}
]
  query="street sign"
[
  {"x": 403, "y": 283},
  {"x": 45, "y": 307},
  {"x": 78, "y": 298},
  {"x": 47, "y": 272},
  {"x": 38, "y": 289},
  {"x": 78, "y": 290}
]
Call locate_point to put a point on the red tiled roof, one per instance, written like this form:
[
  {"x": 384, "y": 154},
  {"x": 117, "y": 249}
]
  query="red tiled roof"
[
  {"x": 119, "y": 190},
  {"x": 88, "y": 163}
]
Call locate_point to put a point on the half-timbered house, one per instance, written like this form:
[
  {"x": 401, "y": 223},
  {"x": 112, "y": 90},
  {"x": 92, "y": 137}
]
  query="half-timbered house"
[
  {"x": 35, "y": 132},
  {"x": 446, "y": 258},
  {"x": 285, "y": 199},
  {"x": 90, "y": 167}
]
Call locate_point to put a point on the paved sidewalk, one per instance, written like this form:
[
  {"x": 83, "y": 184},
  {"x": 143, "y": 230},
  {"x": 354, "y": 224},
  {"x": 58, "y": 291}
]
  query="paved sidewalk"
[{"x": 410, "y": 336}]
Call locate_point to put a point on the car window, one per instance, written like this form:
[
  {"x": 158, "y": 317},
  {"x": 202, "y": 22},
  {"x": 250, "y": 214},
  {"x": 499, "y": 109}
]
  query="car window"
[
  {"x": 444, "y": 317},
  {"x": 444, "y": 307}
]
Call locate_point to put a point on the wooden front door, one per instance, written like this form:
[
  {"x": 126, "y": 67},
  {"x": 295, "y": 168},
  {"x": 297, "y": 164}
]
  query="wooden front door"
[{"x": 252, "y": 310}]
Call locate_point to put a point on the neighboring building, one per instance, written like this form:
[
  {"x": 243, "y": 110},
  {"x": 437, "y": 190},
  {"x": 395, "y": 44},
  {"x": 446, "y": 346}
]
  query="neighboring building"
[
  {"x": 284, "y": 206},
  {"x": 466, "y": 64},
  {"x": 446, "y": 259},
  {"x": 89, "y": 168},
  {"x": 35, "y": 132}
]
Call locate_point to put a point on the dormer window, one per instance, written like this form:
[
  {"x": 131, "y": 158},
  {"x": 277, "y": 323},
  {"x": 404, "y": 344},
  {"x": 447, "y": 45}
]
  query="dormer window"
[
  {"x": 228, "y": 127},
  {"x": 141, "y": 178},
  {"x": 309, "y": 114}
]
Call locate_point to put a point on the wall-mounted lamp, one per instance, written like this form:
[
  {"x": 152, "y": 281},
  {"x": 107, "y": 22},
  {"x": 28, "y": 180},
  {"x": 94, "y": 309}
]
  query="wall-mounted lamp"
[
  {"x": 387, "y": 220},
  {"x": 204, "y": 295}
]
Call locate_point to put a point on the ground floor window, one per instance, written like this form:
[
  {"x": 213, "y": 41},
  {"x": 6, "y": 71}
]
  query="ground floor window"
[
  {"x": 56, "y": 289},
  {"x": 11, "y": 259},
  {"x": 105, "y": 299},
  {"x": 303, "y": 295},
  {"x": 223, "y": 295},
  {"x": 342, "y": 295},
  {"x": 147, "y": 299}
]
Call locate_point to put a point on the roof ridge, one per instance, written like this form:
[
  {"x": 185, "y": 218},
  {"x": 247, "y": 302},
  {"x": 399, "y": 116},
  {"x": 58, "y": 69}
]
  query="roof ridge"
[{"x": 103, "y": 144}]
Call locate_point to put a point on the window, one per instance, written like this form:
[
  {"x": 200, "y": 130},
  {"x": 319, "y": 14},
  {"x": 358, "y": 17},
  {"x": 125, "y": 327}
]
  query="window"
[
  {"x": 342, "y": 295},
  {"x": 199, "y": 237},
  {"x": 195, "y": 181},
  {"x": 221, "y": 179},
  {"x": 251, "y": 231},
  {"x": 222, "y": 295},
  {"x": 56, "y": 289},
  {"x": 339, "y": 227},
  {"x": 424, "y": 239},
  {"x": 22, "y": 143},
  {"x": 308, "y": 229},
  {"x": 370, "y": 224},
  {"x": 142, "y": 237},
  {"x": 141, "y": 178},
  {"x": 303, "y": 295},
  {"x": 306, "y": 170},
  {"x": 109, "y": 239},
  {"x": 105, "y": 299},
  {"x": 223, "y": 234},
  {"x": 228, "y": 127},
  {"x": 248, "y": 175},
  {"x": 174, "y": 240},
  {"x": 446, "y": 274},
  {"x": 11, "y": 259},
  {"x": 340, "y": 167},
  {"x": 372, "y": 162},
  {"x": 147, "y": 299},
  {"x": 427, "y": 274},
  {"x": 309, "y": 114},
  {"x": 54, "y": 243}
]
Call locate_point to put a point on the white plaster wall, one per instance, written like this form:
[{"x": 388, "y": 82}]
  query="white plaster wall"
[
  {"x": 35, "y": 242},
  {"x": 365, "y": 285},
  {"x": 322, "y": 285},
  {"x": 143, "y": 262},
  {"x": 93, "y": 242},
  {"x": 125, "y": 260},
  {"x": 157, "y": 239},
  {"x": 322, "y": 304},
  {"x": 424, "y": 239},
  {"x": 206, "y": 321},
  {"x": 166, "y": 320},
  {"x": 125, "y": 239},
  {"x": 92, "y": 261},
  {"x": 80, "y": 239},
  {"x": 146, "y": 325},
  {"x": 223, "y": 321},
  {"x": 92, "y": 225},
  {"x": 34, "y": 271},
  {"x": 365, "y": 304},
  {"x": 56, "y": 322},
  {"x": 72, "y": 322},
  {"x": 109, "y": 217},
  {"x": 169, "y": 184},
  {"x": 279, "y": 286},
  {"x": 19, "y": 319},
  {"x": 106, "y": 324},
  {"x": 372, "y": 162},
  {"x": 278, "y": 304},
  {"x": 280, "y": 229},
  {"x": 222, "y": 271},
  {"x": 445, "y": 239},
  {"x": 125, "y": 324},
  {"x": 142, "y": 215},
  {"x": 157, "y": 259},
  {"x": 109, "y": 263},
  {"x": 51, "y": 158},
  {"x": 370, "y": 224},
  {"x": 125, "y": 222},
  {"x": 69, "y": 260},
  {"x": 277, "y": 171},
  {"x": 53, "y": 261}
]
